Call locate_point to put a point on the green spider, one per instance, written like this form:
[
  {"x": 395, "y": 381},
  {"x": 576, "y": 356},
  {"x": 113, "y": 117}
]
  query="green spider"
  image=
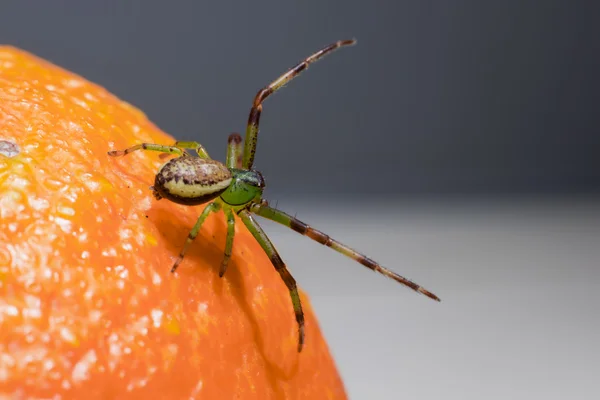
[{"x": 237, "y": 189}]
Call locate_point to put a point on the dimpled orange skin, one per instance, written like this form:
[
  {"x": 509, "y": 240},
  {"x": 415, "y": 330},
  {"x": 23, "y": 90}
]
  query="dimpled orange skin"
[{"x": 88, "y": 307}]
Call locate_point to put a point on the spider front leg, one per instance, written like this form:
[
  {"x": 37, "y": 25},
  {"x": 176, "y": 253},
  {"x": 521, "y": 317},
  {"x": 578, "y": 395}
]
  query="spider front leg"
[
  {"x": 288, "y": 279},
  {"x": 295, "y": 224},
  {"x": 256, "y": 110},
  {"x": 212, "y": 207}
]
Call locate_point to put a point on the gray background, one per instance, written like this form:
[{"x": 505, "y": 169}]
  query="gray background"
[{"x": 457, "y": 143}]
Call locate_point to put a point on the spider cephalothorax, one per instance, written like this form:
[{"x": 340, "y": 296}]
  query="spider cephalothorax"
[{"x": 236, "y": 189}]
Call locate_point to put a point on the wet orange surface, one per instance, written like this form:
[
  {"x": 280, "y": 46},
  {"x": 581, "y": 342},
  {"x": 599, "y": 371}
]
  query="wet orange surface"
[{"x": 88, "y": 308}]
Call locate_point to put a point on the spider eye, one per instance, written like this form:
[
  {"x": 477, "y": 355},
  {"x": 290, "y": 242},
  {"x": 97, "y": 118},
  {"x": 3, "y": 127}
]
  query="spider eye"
[
  {"x": 252, "y": 178},
  {"x": 260, "y": 181}
]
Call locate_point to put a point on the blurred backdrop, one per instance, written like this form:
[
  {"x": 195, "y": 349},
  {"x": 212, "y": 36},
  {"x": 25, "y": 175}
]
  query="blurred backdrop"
[{"x": 457, "y": 143}]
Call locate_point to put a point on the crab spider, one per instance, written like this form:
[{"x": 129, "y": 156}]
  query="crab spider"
[{"x": 236, "y": 189}]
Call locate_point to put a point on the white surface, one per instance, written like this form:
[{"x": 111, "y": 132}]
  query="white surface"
[{"x": 519, "y": 283}]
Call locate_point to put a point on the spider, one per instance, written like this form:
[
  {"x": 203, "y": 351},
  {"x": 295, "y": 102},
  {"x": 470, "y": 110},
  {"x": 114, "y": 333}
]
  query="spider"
[{"x": 236, "y": 189}]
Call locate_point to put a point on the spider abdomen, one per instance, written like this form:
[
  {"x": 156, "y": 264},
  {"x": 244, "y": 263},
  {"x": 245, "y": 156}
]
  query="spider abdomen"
[{"x": 191, "y": 180}]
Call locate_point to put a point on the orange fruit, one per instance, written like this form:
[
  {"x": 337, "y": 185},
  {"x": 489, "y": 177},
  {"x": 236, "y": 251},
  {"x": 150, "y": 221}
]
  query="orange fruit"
[{"x": 88, "y": 307}]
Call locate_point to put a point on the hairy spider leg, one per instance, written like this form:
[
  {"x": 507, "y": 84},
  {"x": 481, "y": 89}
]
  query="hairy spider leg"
[
  {"x": 255, "y": 111},
  {"x": 295, "y": 224},
  {"x": 234, "y": 151},
  {"x": 166, "y": 150},
  {"x": 197, "y": 147},
  {"x": 212, "y": 207},
  {"x": 288, "y": 279},
  {"x": 228, "y": 240},
  {"x": 146, "y": 146}
]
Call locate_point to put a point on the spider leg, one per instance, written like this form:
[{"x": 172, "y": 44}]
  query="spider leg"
[
  {"x": 234, "y": 151},
  {"x": 197, "y": 147},
  {"x": 228, "y": 240},
  {"x": 288, "y": 279},
  {"x": 318, "y": 236},
  {"x": 212, "y": 207},
  {"x": 255, "y": 111},
  {"x": 147, "y": 146}
]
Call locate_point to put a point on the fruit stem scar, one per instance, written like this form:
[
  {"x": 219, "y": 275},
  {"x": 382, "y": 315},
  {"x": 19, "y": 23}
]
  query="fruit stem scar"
[{"x": 9, "y": 148}]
